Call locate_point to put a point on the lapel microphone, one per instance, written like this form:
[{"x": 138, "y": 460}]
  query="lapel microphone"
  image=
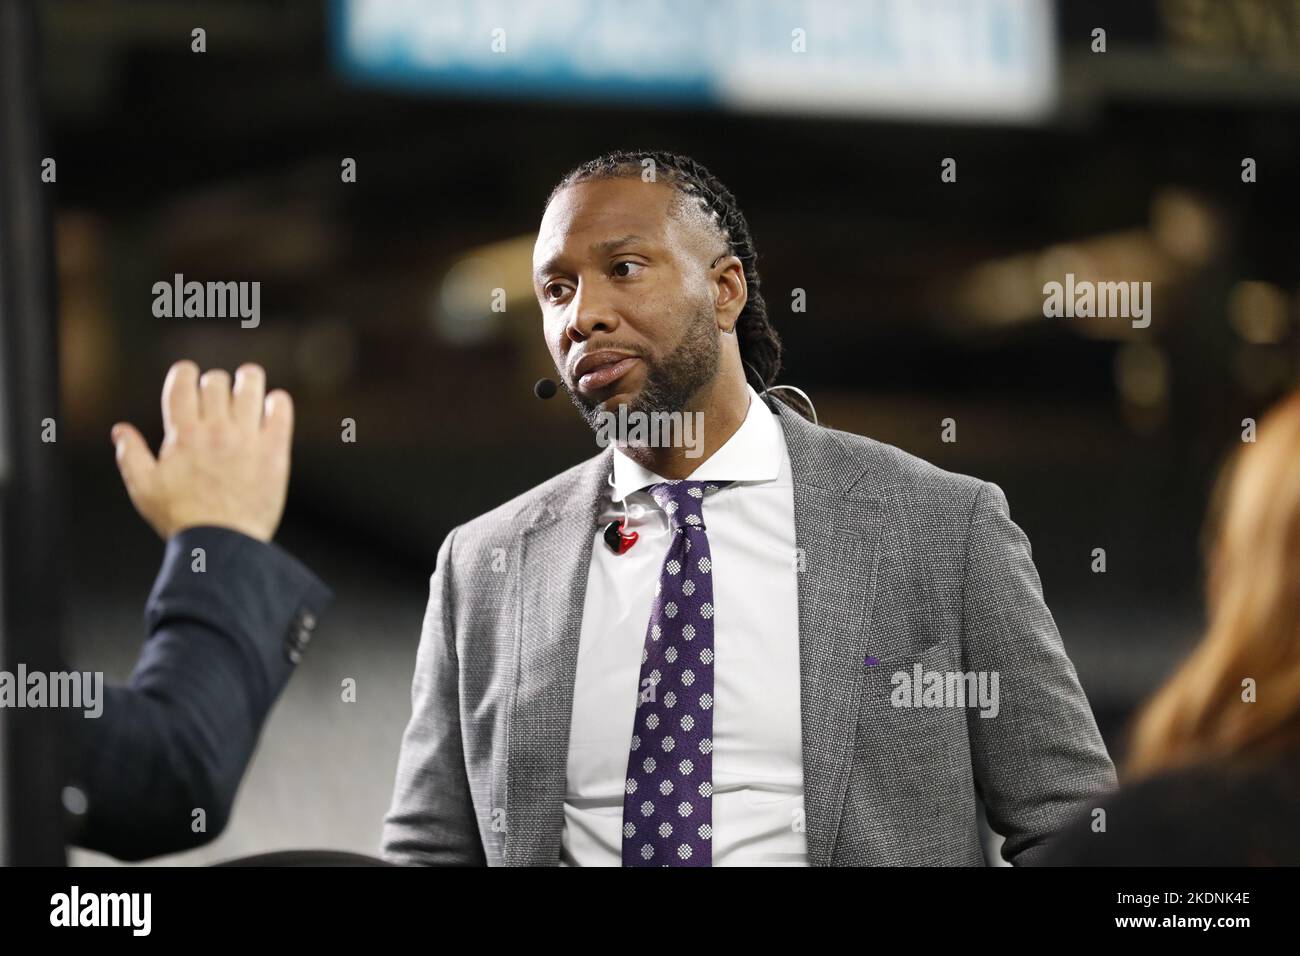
[{"x": 618, "y": 540}]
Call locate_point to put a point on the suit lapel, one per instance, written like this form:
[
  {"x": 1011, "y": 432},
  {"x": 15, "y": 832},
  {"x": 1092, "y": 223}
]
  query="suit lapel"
[
  {"x": 555, "y": 556},
  {"x": 838, "y": 529}
]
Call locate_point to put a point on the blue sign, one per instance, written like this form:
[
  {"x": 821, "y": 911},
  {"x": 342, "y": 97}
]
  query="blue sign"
[{"x": 970, "y": 59}]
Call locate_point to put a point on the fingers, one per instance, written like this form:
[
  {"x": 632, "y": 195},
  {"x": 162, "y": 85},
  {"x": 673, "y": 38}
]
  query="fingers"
[
  {"x": 279, "y": 418},
  {"x": 188, "y": 396},
  {"x": 180, "y": 396},
  {"x": 249, "y": 395},
  {"x": 214, "y": 393},
  {"x": 134, "y": 459}
]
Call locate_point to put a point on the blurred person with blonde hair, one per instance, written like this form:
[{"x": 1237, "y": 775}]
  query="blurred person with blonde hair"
[{"x": 1214, "y": 756}]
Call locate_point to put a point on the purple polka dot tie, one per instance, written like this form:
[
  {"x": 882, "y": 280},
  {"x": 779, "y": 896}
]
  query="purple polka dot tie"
[{"x": 668, "y": 794}]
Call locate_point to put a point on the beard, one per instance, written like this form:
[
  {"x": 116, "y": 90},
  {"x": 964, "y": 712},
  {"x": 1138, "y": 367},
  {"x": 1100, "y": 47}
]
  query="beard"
[{"x": 671, "y": 382}]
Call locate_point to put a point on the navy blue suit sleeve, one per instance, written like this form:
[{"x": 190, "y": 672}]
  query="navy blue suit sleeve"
[{"x": 222, "y": 644}]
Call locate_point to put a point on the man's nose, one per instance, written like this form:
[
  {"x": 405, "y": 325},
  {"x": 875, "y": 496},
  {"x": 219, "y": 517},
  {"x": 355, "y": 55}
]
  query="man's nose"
[{"x": 592, "y": 312}]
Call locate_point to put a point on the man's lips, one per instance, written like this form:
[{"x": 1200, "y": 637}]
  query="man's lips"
[{"x": 596, "y": 376}]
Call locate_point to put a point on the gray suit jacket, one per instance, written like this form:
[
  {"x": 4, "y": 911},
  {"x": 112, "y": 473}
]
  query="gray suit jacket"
[{"x": 904, "y": 562}]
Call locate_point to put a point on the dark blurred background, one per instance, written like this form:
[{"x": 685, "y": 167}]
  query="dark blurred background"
[{"x": 924, "y": 298}]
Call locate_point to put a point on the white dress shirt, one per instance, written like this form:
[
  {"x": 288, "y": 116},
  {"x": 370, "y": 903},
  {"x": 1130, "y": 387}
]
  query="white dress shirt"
[{"x": 757, "y": 754}]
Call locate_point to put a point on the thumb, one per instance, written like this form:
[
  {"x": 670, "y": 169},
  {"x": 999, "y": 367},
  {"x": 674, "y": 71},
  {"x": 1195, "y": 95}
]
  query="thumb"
[{"x": 134, "y": 459}]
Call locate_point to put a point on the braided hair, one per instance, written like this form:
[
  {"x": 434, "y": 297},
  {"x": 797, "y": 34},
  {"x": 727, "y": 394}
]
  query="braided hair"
[{"x": 760, "y": 346}]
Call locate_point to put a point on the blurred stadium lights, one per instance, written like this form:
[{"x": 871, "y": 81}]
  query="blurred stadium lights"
[
  {"x": 1009, "y": 291},
  {"x": 1258, "y": 312},
  {"x": 973, "y": 60},
  {"x": 1182, "y": 237},
  {"x": 1185, "y": 226},
  {"x": 481, "y": 288},
  {"x": 1142, "y": 380}
]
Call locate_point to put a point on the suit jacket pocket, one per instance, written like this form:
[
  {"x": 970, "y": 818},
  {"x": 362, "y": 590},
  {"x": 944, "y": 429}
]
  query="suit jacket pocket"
[{"x": 912, "y": 707}]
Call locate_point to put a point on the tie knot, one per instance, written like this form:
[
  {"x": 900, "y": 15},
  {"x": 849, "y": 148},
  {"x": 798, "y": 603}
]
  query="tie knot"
[{"x": 683, "y": 500}]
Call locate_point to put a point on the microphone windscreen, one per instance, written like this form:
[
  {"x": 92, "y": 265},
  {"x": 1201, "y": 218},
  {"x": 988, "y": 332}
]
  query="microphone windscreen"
[{"x": 545, "y": 388}]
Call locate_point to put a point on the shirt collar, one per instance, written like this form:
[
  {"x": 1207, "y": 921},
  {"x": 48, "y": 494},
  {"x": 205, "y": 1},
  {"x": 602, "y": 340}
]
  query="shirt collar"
[{"x": 752, "y": 453}]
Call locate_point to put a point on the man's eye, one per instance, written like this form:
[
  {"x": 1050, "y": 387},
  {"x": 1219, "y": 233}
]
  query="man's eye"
[
  {"x": 627, "y": 269},
  {"x": 554, "y": 291}
]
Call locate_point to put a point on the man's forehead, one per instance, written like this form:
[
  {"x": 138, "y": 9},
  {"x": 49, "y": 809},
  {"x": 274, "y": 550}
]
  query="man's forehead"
[{"x": 601, "y": 209}]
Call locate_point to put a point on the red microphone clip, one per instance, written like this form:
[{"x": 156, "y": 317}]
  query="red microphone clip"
[{"x": 618, "y": 540}]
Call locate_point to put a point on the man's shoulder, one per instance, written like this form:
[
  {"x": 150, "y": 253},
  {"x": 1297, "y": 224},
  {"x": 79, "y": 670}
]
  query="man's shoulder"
[{"x": 889, "y": 471}]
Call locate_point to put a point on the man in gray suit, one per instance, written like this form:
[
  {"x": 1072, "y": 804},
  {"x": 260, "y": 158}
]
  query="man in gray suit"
[{"x": 832, "y": 669}]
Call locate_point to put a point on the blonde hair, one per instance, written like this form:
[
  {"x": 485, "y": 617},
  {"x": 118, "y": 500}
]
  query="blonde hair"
[{"x": 1253, "y": 605}]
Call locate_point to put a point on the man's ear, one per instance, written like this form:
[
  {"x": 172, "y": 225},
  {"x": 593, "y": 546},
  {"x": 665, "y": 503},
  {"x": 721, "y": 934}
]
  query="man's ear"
[{"x": 730, "y": 291}]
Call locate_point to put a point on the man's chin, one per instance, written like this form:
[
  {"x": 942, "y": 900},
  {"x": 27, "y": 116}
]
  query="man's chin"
[
  {"x": 611, "y": 403},
  {"x": 617, "y": 400},
  {"x": 596, "y": 410}
]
